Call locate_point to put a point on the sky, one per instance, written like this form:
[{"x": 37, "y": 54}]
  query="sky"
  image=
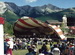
[{"x": 58, "y": 3}]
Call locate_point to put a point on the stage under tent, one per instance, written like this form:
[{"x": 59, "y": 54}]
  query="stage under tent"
[{"x": 27, "y": 27}]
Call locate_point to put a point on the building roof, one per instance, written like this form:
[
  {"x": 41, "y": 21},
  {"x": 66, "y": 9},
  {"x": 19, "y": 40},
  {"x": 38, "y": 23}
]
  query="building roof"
[{"x": 53, "y": 22}]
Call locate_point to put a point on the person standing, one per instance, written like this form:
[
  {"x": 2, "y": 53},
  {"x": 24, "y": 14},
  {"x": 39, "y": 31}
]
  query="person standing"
[
  {"x": 6, "y": 46},
  {"x": 10, "y": 43}
]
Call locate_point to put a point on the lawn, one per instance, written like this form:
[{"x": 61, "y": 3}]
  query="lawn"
[
  {"x": 19, "y": 52},
  {"x": 22, "y": 52}
]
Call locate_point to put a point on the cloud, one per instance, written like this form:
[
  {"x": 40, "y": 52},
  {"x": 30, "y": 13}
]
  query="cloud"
[{"x": 30, "y": 1}]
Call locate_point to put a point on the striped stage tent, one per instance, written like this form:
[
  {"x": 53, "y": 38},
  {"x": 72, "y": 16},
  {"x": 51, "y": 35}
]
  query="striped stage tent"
[
  {"x": 30, "y": 26},
  {"x": 58, "y": 31}
]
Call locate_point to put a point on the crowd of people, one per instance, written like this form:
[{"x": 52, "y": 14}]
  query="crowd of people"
[{"x": 39, "y": 46}]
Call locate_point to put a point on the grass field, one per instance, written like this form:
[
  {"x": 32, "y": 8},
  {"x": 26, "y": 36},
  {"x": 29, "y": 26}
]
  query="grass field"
[
  {"x": 23, "y": 52},
  {"x": 19, "y": 52}
]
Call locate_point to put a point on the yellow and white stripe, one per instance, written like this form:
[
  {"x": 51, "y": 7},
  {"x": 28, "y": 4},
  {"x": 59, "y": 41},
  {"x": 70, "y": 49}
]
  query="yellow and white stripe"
[{"x": 58, "y": 31}]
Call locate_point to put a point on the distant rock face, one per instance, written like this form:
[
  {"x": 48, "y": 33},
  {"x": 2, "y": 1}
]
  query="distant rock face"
[
  {"x": 13, "y": 7},
  {"x": 31, "y": 11},
  {"x": 3, "y": 8}
]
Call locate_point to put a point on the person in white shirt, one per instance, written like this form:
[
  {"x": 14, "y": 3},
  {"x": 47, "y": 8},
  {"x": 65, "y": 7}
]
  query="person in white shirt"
[
  {"x": 40, "y": 52},
  {"x": 56, "y": 51},
  {"x": 10, "y": 43}
]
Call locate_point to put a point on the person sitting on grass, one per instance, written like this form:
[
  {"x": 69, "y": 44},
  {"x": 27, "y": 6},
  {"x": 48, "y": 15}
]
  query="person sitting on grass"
[
  {"x": 30, "y": 51},
  {"x": 40, "y": 52},
  {"x": 55, "y": 50},
  {"x": 44, "y": 49},
  {"x": 34, "y": 49}
]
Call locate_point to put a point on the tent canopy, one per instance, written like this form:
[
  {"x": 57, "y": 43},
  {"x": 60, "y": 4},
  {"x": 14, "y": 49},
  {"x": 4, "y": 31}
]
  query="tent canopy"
[{"x": 29, "y": 26}]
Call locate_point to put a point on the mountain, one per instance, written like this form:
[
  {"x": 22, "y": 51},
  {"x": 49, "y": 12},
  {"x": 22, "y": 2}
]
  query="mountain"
[
  {"x": 31, "y": 11},
  {"x": 10, "y": 16},
  {"x": 70, "y": 12},
  {"x": 43, "y": 13}
]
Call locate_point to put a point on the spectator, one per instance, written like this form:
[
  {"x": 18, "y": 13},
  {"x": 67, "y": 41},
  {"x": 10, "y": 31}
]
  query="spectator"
[
  {"x": 40, "y": 52},
  {"x": 30, "y": 51},
  {"x": 6, "y": 46},
  {"x": 44, "y": 49},
  {"x": 63, "y": 47},
  {"x": 34, "y": 49},
  {"x": 10, "y": 43},
  {"x": 55, "y": 50},
  {"x": 15, "y": 47},
  {"x": 48, "y": 47}
]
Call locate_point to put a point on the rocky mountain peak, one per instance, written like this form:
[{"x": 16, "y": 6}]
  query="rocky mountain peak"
[{"x": 28, "y": 10}]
